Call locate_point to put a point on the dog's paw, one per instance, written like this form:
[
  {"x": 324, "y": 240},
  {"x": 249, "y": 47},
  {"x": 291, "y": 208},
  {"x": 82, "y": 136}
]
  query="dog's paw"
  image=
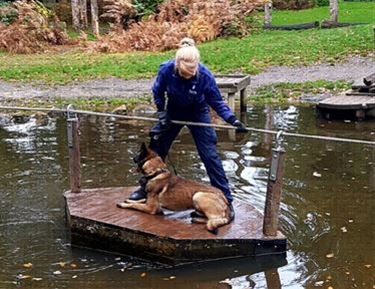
[
  {"x": 123, "y": 205},
  {"x": 213, "y": 231}
]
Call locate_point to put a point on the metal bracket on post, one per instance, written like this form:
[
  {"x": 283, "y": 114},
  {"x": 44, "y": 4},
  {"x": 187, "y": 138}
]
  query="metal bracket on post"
[
  {"x": 71, "y": 117},
  {"x": 276, "y": 155},
  {"x": 274, "y": 186}
]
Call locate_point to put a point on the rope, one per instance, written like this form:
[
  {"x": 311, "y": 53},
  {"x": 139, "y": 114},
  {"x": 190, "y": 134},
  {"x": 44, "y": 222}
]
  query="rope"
[{"x": 141, "y": 118}]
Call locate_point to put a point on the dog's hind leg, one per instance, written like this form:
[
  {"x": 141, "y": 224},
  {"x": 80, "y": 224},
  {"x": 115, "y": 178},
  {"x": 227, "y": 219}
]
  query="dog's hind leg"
[{"x": 213, "y": 207}]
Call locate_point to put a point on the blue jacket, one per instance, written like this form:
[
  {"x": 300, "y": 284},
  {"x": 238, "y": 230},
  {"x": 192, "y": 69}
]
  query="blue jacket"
[{"x": 188, "y": 98}]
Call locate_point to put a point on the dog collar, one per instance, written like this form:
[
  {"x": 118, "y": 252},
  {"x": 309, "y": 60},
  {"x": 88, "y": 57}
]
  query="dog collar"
[{"x": 159, "y": 172}]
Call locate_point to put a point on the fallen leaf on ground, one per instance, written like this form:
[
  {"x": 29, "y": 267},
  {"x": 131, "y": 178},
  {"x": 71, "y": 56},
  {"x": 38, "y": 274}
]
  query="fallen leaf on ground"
[
  {"x": 368, "y": 266},
  {"x": 37, "y": 279},
  {"x": 57, "y": 272},
  {"x": 62, "y": 264}
]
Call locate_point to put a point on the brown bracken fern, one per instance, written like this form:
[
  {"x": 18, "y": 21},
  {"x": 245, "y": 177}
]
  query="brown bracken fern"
[
  {"x": 201, "y": 20},
  {"x": 34, "y": 29}
]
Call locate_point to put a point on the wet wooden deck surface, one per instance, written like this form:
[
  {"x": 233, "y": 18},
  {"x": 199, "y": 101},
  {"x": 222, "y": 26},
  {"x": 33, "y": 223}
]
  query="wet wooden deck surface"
[
  {"x": 350, "y": 100},
  {"x": 93, "y": 215}
]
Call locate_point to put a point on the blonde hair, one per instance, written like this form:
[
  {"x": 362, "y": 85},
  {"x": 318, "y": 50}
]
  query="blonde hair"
[{"x": 187, "y": 57}]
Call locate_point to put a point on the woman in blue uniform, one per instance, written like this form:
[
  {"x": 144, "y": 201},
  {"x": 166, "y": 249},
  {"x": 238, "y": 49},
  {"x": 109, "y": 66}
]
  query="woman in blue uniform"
[{"x": 183, "y": 90}]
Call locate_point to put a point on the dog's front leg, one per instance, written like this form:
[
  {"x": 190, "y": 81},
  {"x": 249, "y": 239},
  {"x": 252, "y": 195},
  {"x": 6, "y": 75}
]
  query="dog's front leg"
[{"x": 151, "y": 206}]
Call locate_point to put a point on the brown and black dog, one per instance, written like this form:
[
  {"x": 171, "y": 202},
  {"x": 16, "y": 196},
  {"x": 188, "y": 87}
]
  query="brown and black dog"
[{"x": 174, "y": 193}]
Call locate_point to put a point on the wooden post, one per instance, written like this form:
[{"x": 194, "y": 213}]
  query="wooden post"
[
  {"x": 274, "y": 186},
  {"x": 272, "y": 278},
  {"x": 268, "y": 13},
  {"x": 231, "y": 100},
  {"x": 333, "y": 10},
  {"x": 243, "y": 100},
  {"x": 74, "y": 152},
  {"x": 94, "y": 17}
]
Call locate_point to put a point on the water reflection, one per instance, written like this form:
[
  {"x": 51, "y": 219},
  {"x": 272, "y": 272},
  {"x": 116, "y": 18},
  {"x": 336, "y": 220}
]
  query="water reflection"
[{"x": 326, "y": 210}]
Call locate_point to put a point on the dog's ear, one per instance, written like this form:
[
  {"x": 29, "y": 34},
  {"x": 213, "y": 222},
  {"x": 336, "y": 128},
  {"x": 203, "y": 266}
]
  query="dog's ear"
[
  {"x": 143, "y": 148},
  {"x": 143, "y": 152}
]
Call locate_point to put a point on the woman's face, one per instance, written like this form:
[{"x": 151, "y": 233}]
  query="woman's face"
[
  {"x": 186, "y": 75},
  {"x": 187, "y": 68}
]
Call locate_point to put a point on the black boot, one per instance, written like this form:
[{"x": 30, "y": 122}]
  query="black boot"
[{"x": 139, "y": 195}]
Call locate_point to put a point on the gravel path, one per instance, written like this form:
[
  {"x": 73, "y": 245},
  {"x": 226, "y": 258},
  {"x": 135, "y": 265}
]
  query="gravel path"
[{"x": 353, "y": 70}]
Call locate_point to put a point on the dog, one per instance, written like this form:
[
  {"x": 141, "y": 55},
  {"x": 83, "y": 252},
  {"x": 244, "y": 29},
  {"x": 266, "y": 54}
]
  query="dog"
[{"x": 177, "y": 194}]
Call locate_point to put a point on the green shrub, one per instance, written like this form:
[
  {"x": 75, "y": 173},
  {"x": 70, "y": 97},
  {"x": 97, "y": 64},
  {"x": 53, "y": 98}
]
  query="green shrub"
[
  {"x": 8, "y": 14},
  {"x": 146, "y": 7},
  {"x": 321, "y": 3},
  {"x": 293, "y": 4}
]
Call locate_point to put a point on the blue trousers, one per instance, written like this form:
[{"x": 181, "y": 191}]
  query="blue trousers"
[{"x": 205, "y": 139}]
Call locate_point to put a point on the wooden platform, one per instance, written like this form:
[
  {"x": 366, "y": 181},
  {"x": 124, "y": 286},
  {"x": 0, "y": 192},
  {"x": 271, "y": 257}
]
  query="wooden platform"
[
  {"x": 357, "y": 103},
  {"x": 95, "y": 221},
  {"x": 230, "y": 85}
]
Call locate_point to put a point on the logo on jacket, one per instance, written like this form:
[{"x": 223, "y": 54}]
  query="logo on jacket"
[{"x": 192, "y": 90}]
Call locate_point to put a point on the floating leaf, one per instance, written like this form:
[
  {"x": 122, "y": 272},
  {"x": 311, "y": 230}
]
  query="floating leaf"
[
  {"x": 57, "y": 272},
  {"x": 172, "y": 277},
  {"x": 37, "y": 279},
  {"x": 143, "y": 274},
  {"x": 343, "y": 229},
  {"x": 21, "y": 277},
  {"x": 330, "y": 255},
  {"x": 74, "y": 276},
  {"x": 73, "y": 265},
  {"x": 62, "y": 264},
  {"x": 368, "y": 266},
  {"x": 318, "y": 283},
  {"x": 28, "y": 265},
  {"x": 329, "y": 287},
  {"x": 317, "y": 175}
]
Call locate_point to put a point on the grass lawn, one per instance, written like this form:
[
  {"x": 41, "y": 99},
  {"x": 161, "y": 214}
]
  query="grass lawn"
[
  {"x": 289, "y": 92},
  {"x": 363, "y": 12},
  {"x": 250, "y": 54}
]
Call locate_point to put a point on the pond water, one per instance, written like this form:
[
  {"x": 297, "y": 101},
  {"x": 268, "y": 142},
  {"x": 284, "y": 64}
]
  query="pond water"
[{"x": 327, "y": 208}]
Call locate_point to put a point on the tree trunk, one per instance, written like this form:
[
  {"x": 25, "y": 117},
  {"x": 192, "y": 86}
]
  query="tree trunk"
[
  {"x": 94, "y": 17},
  {"x": 83, "y": 14},
  {"x": 268, "y": 13},
  {"x": 334, "y": 10},
  {"x": 75, "y": 15}
]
